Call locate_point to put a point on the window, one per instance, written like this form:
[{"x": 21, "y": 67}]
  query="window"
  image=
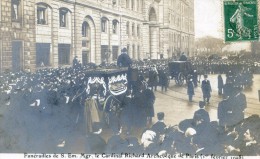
[
  {"x": 16, "y": 11},
  {"x": 85, "y": 29},
  {"x": 138, "y": 30},
  {"x": 133, "y": 5},
  {"x": 114, "y": 2},
  {"x": 43, "y": 54},
  {"x": 41, "y": 14},
  {"x": 103, "y": 25},
  {"x": 64, "y": 54},
  {"x": 114, "y": 26},
  {"x": 133, "y": 29},
  {"x": 63, "y": 17},
  {"x": 127, "y": 28}
]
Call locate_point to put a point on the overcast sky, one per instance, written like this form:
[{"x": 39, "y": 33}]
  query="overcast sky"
[
  {"x": 208, "y": 18},
  {"x": 208, "y": 22}
]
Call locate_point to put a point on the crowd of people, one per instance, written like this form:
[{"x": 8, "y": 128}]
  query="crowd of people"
[{"x": 130, "y": 115}]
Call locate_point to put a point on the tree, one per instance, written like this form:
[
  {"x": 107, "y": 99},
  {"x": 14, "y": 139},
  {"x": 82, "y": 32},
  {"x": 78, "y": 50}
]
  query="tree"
[{"x": 210, "y": 44}]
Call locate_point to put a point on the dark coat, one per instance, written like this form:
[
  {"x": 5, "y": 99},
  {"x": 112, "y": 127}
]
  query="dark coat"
[
  {"x": 220, "y": 82},
  {"x": 163, "y": 78},
  {"x": 124, "y": 60},
  {"x": 183, "y": 58},
  {"x": 190, "y": 90},
  {"x": 195, "y": 78},
  {"x": 239, "y": 105},
  {"x": 224, "y": 109},
  {"x": 153, "y": 78},
  {"x": 159, "y": 127},
  {"x": 201, "y": 115},
  {"x": 139, "y": 114},
  {"x": 149, "y": 99},
  {"x": 127, "y": 114},
  {"x": 206, "y": 88}
]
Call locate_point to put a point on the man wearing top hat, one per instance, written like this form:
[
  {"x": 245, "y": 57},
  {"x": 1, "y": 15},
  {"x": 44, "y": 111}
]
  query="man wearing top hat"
[{"x": 206, "y": 89}]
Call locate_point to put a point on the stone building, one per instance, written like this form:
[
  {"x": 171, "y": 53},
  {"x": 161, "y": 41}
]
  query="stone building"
[
  {"x": 17, "y": 35},
  {"x": 176, "y": 27},
  {"x": 50, "y": 33}
]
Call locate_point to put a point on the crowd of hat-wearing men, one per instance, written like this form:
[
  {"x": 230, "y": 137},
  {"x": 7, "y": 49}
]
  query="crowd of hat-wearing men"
[{"x": 198, "y": 135}]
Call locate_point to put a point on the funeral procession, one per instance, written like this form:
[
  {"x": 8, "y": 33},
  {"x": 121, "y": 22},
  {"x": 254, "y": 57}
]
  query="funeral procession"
[{"x": 129, "y": 78}]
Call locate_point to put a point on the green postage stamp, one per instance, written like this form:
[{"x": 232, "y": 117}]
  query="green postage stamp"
[{"x": 241, "y": 20}]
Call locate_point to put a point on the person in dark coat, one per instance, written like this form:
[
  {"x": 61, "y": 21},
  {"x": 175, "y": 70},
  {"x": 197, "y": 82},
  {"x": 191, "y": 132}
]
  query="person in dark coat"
[
  {"x": 239, "y": 106},
  {"x": 183, "y": 57},
  {"x": 206, "y": 89},
  {"x": 139, "y": 114},
  {"x": 201, "y": 116},
  {"x": 127, "y": 114},
  {"x": 220, "y": 85},
  {"x": 149, "y": 99},
  {"x": 159, "y": 127},
  {"x": 124, "y": 60},
  {"x": 75, "y": 62},
  {"x": 228, "y": 89},
  {"x": 163, "y": 79},
  {"x": 190, "y": 90},
  {"x": 225, "y": 112},
  {"x": 153, "y": 78}
]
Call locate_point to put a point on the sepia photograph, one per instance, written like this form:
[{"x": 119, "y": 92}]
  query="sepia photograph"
[{"x": 169, "y": 79}]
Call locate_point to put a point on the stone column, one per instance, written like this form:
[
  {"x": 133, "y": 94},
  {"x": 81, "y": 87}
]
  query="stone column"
[{"x": 154, "y": 42}]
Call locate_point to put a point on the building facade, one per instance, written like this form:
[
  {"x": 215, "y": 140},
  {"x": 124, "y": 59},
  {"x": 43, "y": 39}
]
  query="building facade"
[{"x": 50, "y": 33}]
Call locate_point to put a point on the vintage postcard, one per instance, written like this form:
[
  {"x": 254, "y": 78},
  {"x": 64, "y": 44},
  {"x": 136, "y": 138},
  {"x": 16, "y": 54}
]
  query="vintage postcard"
[{"x": 169, "y": 79}]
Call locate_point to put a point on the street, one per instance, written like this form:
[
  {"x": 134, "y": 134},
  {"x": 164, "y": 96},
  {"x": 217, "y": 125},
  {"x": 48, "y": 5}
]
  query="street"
[{"x": 174, "y": 103}]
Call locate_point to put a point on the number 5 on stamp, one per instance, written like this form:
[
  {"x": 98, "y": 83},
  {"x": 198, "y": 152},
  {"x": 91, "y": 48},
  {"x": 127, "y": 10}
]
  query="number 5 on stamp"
[{"x": 241, "y": 20}]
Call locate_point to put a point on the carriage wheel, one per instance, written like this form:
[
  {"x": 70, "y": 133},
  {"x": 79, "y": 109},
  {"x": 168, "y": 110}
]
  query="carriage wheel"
[{"x": 180, "y": 79}]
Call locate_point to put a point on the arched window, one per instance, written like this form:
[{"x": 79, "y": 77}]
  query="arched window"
[
  {"x": 64, "y": 17},
  {"x": 152, "y": 15},
  {"x": 16, "y": 10},
  {"x": 104, "y": 23},
  {"x": 115, "y": 26},
  {"x": 42, "y": 14},
  {"x": 85, "y": 29}
]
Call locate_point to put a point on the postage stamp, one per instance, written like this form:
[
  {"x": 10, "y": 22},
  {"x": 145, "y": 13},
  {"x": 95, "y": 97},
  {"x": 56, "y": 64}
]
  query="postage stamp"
[{"x": 240, "y": 20}]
